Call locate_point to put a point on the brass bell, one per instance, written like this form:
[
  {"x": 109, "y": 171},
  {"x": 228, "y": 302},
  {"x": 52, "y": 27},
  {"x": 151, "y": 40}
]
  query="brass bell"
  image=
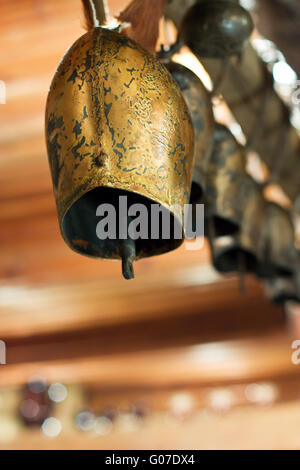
[
  {"x": 116, "y": 124},
  {"x": 278, "y": 250},
  {"x": 224, "y": 174},
  {"x": 242, "y": 251},
  {"x": 215, "y": 28},
  {"x": 198, "y": 103}
]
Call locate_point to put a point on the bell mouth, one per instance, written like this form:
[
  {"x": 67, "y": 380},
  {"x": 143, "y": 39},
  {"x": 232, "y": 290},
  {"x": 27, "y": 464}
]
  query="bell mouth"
[
  {"x": 235, "y": 260},
  {"x": 265, "y": 271},
  {"x": 221, "y": 227},
  {"x": 225, "y": 226},
  {"x": 282, "y": 297},
  {"x": 196, "y": 196},
  {"x": 79, "y": 225}
]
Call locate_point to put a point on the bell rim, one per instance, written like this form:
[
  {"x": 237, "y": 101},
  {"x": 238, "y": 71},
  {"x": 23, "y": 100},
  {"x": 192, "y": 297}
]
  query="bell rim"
[
  {"x": 151, "y": 199},
  {"x": 250, "y": 261}
]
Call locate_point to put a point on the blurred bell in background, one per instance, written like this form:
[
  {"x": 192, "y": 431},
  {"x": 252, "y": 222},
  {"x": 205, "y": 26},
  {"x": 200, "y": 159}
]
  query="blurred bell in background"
[{"x": 168, "y": 102}]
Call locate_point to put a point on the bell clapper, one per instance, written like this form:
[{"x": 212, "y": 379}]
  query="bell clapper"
[
  {"x": 279, "y": 161},
  {"x": 221, "y": 77},
  {"x": 258, "y": 125},
  {"x": 211, "y": 233},
  {"x": 241, "y": 272},
  {"x": 297, "y": 276},
  {"x": 128, "y": 255},
  {"x": 165, "y": 54},
  {"x": 168, "y": 49},
  {"x": 211, "y": 230}
]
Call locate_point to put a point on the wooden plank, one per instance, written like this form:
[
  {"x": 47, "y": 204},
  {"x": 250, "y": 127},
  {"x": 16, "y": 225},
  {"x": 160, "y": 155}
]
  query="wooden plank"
[
  {"x": 241, "y": 360},
  {"x": 27, "y": 311},
  {"x": 147, "y": 332}
]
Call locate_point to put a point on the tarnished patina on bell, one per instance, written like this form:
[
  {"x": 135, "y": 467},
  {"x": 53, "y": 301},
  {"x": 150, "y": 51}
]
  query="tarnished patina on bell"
[
  {"x": 243, "y": 249},
  {"x": 278, "y": 250},
  {"x": 223, "y": 176},
  {"x": 116, "y": 124},
  {"x": 215, "y": 28},
  {"x": 199, "y": 105}
]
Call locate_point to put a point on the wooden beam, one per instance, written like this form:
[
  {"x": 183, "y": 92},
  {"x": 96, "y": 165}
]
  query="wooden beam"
[
  {"x": 163, "y": 329},
  {"x": 249, "y": 359},
  {"x": 30, "y": 311}
]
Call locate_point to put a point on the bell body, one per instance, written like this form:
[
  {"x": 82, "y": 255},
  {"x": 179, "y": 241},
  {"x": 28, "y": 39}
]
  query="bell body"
[
  {"x": 224, "y": 174},
  {"x": 215, "y": 28},
  {"x": 199, "y": 105},
  {"x": 244, "y": 249},
  {"x": 116, "y": 124},
  {"x": 278, "y": 250}
]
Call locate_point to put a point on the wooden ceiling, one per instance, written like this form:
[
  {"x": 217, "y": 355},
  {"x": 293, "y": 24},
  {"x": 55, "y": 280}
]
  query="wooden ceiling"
[{"x": 55, "y": 305}]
